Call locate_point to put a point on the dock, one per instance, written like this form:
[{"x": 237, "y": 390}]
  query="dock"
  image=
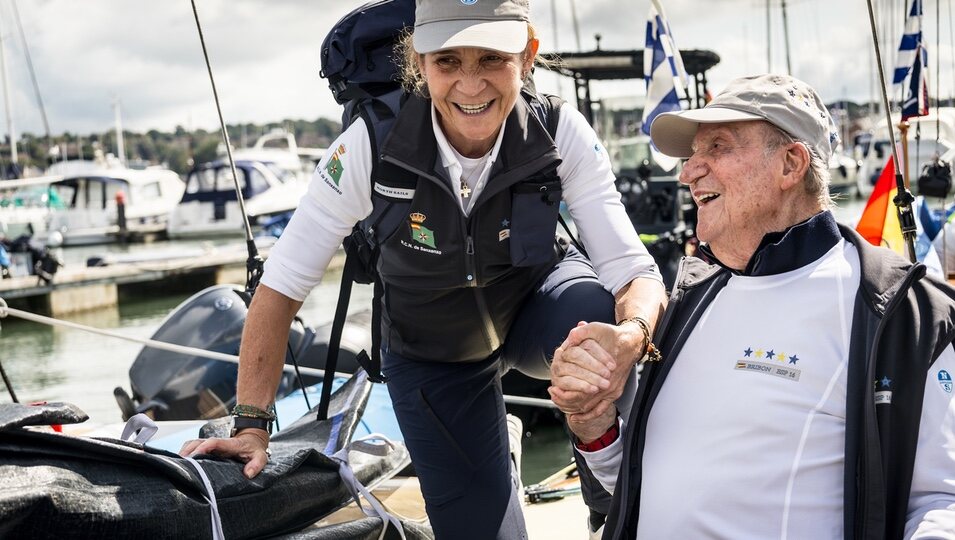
[{"x": 81, "y": 288}]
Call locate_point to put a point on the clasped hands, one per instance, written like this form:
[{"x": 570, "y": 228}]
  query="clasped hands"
[{"x": 589, "y": 372}]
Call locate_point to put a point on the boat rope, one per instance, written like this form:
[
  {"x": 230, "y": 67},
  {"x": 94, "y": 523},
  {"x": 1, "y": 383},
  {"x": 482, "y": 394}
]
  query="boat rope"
[
  {"x": 5, "y": 311},
  {"x": 358, "y": 490},
  {"x": 6, "y": 381},
  {"x": 210, "y": 497}
]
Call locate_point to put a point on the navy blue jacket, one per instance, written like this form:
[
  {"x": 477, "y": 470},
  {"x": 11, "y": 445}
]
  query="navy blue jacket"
[{"x": 902, "y": 321}]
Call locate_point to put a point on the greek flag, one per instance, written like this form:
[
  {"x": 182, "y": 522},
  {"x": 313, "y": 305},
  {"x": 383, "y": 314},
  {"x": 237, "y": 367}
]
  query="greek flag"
[
  {"x": 663, "y": 71},
  {"x": 908, "y": 48},
  {"x": 663, "y": 68},
  {"x": 916, "y": 103}
]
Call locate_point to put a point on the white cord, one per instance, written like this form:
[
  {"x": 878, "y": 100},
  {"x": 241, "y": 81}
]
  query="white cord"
[
  {"x": 171, "y": 347},
  {"x": 212, "y": 355}
]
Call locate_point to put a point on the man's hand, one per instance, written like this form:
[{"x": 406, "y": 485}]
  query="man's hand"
[
  {"x": 248, "y": 446},
  {"x": 590, "y": 429},
  {"x": 591, "y": 367}
]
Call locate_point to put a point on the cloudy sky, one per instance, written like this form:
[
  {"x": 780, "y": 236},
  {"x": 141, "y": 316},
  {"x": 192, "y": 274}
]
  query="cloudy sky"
[{"x": 265, "y": 53}]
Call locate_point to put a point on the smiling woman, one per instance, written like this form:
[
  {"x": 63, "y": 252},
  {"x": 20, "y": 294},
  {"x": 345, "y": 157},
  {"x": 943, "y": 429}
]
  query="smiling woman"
[
  {"x": 472, "y": 89},
  {"x": 460, "y": 199}
]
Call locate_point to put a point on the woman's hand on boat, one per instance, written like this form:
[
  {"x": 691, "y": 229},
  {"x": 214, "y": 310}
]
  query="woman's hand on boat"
[{"x": 248, "y": 446}]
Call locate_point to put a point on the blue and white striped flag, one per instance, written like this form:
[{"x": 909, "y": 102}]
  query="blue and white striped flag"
[
  {"x": 663, "y": 71},
  {"x": 911, "y": 39},
  {"x": 916, "y": 103}
]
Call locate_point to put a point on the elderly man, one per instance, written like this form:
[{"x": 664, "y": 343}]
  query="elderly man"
[{"x": 805, "y": 387}]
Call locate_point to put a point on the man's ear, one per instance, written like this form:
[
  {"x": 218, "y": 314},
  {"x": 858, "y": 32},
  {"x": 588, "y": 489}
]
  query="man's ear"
[
  {"x": 530, "y": 53},
  {"x": 796, "y": 161}
]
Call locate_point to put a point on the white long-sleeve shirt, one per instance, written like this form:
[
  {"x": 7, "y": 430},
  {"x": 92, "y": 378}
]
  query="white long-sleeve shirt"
[
  {"x": 746, "y": 439},
  {"x": 339, "y": 198}
]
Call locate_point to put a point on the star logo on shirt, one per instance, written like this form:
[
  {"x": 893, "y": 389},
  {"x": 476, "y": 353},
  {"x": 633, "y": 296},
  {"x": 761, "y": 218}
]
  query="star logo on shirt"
[
  {"x": 770, "y": 354},
  {"x": 748, "y": 352},
  {"x": 793, "y": 359},
  {"x": 885, "y": 382}
]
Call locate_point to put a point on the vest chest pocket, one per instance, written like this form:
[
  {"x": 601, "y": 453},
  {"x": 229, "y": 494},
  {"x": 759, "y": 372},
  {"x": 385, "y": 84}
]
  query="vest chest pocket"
[{"x": 534, "y": 207}]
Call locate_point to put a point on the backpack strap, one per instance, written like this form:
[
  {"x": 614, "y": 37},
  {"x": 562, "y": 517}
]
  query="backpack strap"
[
  {"x": 361, "y": 249},
  {"x": 547, "y": 108}
]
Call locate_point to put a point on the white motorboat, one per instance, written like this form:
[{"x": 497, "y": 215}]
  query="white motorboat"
[
  {"x": 843, "y": 172},
  {"x": 105, "y": 205},
  {"x": 927, "y": 137},
  {"x": 272, "y": 182},
  {"x": 26, "y": 205}
]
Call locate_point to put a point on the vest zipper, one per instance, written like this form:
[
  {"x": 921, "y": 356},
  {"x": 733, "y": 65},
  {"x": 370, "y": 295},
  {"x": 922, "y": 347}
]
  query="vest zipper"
[
  {"x": 490, "y": 333},
  {"x": 470, "y": 262}
]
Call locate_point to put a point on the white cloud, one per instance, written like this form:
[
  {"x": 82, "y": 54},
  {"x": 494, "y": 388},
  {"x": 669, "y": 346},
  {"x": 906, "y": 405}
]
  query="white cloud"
[{"x": 265, "y": 54}]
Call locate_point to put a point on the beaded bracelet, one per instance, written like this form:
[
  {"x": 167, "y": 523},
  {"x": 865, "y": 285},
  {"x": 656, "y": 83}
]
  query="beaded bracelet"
[
  {"x": 651, "y": 352},
  {"x": 251, "y": 411}
]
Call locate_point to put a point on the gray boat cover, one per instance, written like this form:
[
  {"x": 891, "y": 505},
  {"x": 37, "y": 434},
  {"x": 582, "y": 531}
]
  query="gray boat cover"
[
  {"x": 59, "y": 486},
  {"x": 368, "y": 528}
]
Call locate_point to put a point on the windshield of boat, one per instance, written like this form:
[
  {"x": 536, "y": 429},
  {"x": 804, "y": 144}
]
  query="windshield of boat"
[
  {"x": 628, "y": 155},
  {"x": 284, "y": 175}
]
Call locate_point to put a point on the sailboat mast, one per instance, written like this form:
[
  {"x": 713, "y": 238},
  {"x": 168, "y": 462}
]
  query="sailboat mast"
[
  {"x": 120, "y": 144},
  {"x": 573, "y": 15},
  {"x": 36, "y": 86},
  {"x": 769, "y": 38},
  {"x": 789, "y": 66},
  {"x": 6, "y": 101}
]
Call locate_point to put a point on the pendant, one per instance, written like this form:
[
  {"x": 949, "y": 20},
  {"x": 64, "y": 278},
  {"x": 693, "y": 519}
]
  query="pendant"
[{"x": 465, "y": 190}]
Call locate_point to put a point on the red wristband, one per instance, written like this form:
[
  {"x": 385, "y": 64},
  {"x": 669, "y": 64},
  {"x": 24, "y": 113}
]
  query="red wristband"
[{"x": 601, "y": 442}]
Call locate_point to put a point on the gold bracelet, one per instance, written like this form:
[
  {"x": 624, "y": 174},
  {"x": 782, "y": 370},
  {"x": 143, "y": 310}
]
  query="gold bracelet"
[{"x": 651, "y": 352}]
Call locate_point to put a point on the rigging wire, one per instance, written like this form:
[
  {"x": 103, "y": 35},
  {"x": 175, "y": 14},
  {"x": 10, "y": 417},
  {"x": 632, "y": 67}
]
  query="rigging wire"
[
  {"x": 6, "y": 311},
  {"x": 6, "y": 381},
  {"x": 254, "y": 263},
  {"x": 903, "y": 198},
  {"x": 573, "y": 15},
  {"x": 36, "y": 86},
  {"x": 789, "y": 65},
  {"x": 951, "y": 43}
]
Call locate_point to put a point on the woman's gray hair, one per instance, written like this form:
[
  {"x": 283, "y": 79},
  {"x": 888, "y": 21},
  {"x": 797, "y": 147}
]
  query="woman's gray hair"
[
  {"x": 406, "y": 60},
  {"x": 817, "y": 177}
]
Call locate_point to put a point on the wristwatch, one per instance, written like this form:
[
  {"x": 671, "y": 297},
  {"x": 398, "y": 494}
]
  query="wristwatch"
[{"x": 243, "y": 422}]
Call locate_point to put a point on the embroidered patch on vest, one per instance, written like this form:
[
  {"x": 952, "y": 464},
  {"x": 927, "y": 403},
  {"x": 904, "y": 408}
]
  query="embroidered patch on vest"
[
  {"x": 505, "y": 231},
  {"x": 945, "y": 381},
  {"x": 770, "y": 362},
  {"x": 334, "y": 167},
  {"x": 393, "y": 192},
  {"x": 883, "y": 396},
  {"x": 421, "y": 235}
]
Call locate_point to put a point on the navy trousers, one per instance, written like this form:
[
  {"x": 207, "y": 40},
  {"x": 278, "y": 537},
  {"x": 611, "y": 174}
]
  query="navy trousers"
[{"x": 452, "y": 415}]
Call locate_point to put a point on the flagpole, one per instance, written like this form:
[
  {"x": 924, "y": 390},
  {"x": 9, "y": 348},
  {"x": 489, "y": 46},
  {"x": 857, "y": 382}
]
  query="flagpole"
[{"x": 903, "y": 198}]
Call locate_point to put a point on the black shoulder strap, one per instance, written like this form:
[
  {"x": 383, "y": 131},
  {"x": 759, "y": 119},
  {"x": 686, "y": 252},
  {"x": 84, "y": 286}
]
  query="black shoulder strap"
[
  {"x": 379, "y": 115},
  {"x": 549, "y": 109}
]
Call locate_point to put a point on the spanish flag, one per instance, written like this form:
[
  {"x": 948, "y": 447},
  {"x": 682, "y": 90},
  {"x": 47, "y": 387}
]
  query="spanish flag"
[{"x": 879, "y": 223}]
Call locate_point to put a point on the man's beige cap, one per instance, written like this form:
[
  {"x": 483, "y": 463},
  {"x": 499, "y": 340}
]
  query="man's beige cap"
[{"x": 787, "y": 103}]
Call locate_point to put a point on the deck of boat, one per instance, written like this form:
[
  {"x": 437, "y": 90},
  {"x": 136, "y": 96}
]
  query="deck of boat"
[{"x": 564, "y": 518}]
